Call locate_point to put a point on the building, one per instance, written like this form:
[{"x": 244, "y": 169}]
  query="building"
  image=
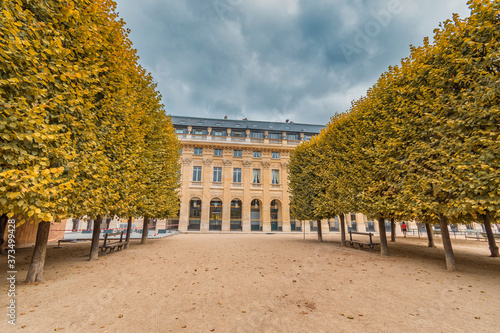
[
  {"x": 234, "y": 173},
  {"x": 234, "y": 178}
]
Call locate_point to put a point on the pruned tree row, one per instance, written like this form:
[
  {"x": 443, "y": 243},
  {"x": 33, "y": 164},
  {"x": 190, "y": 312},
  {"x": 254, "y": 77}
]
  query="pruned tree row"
[
  {"x": 423, "y": 144},
  {"x": 82, "y": 127}
]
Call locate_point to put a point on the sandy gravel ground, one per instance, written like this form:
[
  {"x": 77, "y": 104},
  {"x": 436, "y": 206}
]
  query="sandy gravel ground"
[{"x": 260, "y": 283}]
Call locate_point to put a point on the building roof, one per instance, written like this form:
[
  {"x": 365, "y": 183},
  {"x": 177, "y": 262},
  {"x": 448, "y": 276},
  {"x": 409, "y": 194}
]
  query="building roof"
[{"x": 246, "y": 124}]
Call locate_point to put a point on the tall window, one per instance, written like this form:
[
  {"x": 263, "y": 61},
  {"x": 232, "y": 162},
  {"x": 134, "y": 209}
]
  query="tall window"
[
  {"x": 256, "y": 176},
  {"x": 236, "y": 212},
  {"x": 256, "y": 154},
  {"x": 275, "y": 177},
  {"x": 198, "y": 151},
  {"x": 217, "y": 152},
  {"x": 237, "y": 175},
  {"x": 275, "y": 155},
  {"x": 259, "y": 135},
  {"x": 197, "y": 174},
  {"x": 194, "y": 214},
  {"x": 237, "y": 153},
  {"x": 217, "y": 174}
]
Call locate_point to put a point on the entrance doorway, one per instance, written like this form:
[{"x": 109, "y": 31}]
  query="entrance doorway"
[
  {"x": 194, "y": 214},
  {"x": 276, "y": 223},
  {"x": 236, "y": 215},
  {"x": 255, "y": 216},
  {"x": 215, "y": 215}
]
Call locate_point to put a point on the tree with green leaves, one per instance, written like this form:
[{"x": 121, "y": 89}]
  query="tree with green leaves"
[
  {"x": 306, "y": 183},
  {"x": 71, "y": 116},
  {"x": 341, "y": 180},
  {"x": 42, "y": 99},
  {"x": 467, "y": 64}
]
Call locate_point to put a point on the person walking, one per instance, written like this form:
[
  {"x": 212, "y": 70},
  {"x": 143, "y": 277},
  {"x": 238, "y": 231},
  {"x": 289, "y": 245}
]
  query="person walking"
[{"x": 403, "y": 228}]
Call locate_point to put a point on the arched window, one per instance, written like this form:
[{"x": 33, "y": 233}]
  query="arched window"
[
  {"x": 255, "y": 216},
  {"x": 215, "y": 215},
  {"x": 236, "y": 214},
  {"x": 276, "y": 223},
  {"x": 194, "y": 214}
]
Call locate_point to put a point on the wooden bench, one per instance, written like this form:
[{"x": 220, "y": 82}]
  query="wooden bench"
[
  {"x": 113, "y": 246},
  {"x": 76, "y": 240},
  {"x": 361, "y": 244},
  {"x": 496, "y": 235},
  {"x": 474, "y": 235}
]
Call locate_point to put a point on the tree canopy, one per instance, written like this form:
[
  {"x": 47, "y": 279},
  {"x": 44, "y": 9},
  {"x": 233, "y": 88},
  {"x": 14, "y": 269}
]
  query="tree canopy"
[{"x": 424, "y": 143}]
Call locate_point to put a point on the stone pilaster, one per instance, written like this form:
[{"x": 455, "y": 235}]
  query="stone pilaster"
[
  {"x": 286, "y": 197},
  {"x": 266, "y": 198},
  {"x": 227, "y": 175},
  {"x": 247, "y": 199},
  {"x": 187, "y": 170},
  {"x": 206, "y": 177}
]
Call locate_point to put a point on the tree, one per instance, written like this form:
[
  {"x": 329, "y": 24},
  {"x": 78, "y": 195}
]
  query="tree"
[
  {"x": 470, "y": 49},
  {"x": 160, "y": 168},
  {"x": 306, "y": 183},
  {"x": 70, "y": 136},
  {"x": 42, "y": 99},
  {"x": 342, "y": 184}
]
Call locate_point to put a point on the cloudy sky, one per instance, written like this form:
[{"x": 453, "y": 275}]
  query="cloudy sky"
[{"x": 275, "y": 59}]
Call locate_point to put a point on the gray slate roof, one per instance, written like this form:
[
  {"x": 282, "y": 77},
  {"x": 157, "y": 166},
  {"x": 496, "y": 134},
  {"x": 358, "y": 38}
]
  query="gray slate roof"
[{"x": 246, "y": 124}]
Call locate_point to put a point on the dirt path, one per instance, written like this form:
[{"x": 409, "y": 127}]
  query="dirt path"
[{"x": 260, "y": 283}]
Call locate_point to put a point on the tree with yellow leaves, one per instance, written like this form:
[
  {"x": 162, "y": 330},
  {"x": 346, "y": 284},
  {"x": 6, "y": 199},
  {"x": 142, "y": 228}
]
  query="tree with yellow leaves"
[{"x": 71, "y": 116}]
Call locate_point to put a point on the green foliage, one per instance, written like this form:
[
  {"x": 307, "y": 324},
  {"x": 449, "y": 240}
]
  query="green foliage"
[
  {"x": 425, "y": 141},
  {"x": 79, "y": 118}
]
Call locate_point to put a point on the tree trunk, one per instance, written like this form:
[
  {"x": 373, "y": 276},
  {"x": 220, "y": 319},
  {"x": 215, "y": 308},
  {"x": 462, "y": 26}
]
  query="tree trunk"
[
  {"x": 129, "y": 230},
  {"x": 489, "y": 233},
  {"x": 342, "y": 230},
  {"x": 320, "y": 231},
  {"x": 94, "y": 248},
  {"x": 393, "y": 230},
  {"x": 144, "y": 230},
  {"x": 3, "y": 227},
  {"x": 384, "y": 249},
  {"x": 448, "y": 250},
  {"x": 35, "y": 271},
  {"x": 430, "y": 235}
]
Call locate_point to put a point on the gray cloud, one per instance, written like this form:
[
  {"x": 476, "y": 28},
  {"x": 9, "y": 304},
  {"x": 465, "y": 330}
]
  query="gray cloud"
[{"x": 274, "y": 60}]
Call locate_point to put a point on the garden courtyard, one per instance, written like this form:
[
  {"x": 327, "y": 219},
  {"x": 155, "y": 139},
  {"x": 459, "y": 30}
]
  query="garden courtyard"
[{"x": 260, "y": 283}]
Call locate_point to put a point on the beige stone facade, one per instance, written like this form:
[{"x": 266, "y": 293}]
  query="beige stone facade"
[{"x": 234, "y": 177}]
